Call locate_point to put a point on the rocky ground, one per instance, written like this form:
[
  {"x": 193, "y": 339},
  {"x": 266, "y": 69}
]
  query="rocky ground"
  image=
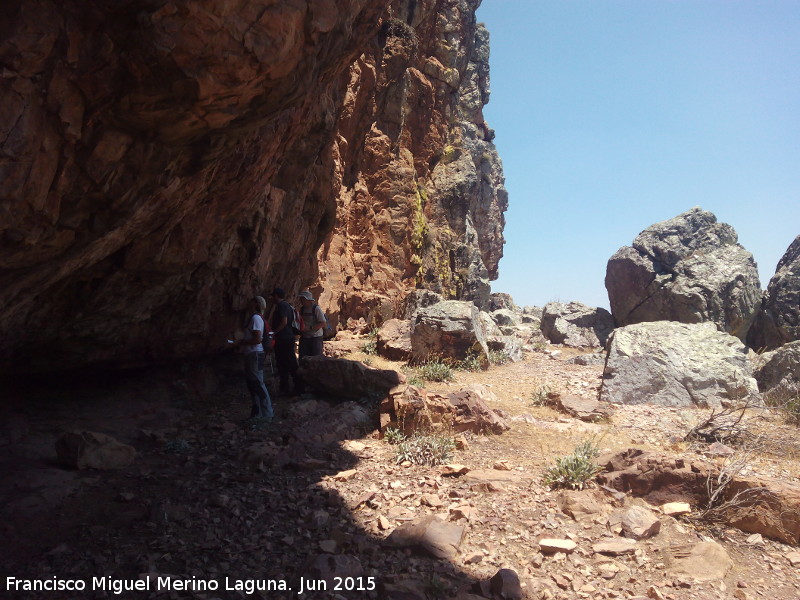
[{"x": 210, "y": 497}]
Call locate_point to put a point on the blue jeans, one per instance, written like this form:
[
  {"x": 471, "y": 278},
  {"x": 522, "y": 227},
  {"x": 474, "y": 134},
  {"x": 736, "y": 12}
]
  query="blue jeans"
[{"x": 254, "y": 376}]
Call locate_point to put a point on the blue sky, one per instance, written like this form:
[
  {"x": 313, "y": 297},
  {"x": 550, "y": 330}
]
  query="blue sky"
[{"x": 613, "y": 115}]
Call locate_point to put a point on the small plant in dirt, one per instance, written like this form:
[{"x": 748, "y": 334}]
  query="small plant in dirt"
[
  {"x": 435, "y": 370},
  {"x": 370, "y": 347},
  {"x": 541, "y": 395},
  {"x": 471, "y": 363},
  {"x": 393, "y": 436},
  {"x": 575, "y": 470},
  {"x": 435, "y": 588},
  {"x": 499, "y": 357},
  {"x": 425, "y": 449},
  {"x": 786, "y": 399},
  {"x": 415, "y": 380},
  {"x": 539, "y": 345}
]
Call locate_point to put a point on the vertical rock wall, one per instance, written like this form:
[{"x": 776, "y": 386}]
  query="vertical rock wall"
[{"x": 422, "y": 198}]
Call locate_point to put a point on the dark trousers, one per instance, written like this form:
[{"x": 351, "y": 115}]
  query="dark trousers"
[
  {"x": 286, "y": 362},
  {"x": 311, "y": 346}
]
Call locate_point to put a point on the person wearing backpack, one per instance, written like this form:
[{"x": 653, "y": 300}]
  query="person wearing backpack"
[
  {"x": 283, "y": 319},
  {"x": 315, "y": 323},
  {"x": 251, "y": 348}
]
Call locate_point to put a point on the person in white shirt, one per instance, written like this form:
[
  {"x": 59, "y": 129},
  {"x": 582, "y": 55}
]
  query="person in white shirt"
[{"x": 252, "y": 351}]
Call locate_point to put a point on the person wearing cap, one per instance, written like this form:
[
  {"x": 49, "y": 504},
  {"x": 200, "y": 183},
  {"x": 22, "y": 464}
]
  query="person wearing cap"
[
  {"x": 314, "y": 320},
  {"x": 285, "y": 358},
  {"x": 252, "y": 351}
]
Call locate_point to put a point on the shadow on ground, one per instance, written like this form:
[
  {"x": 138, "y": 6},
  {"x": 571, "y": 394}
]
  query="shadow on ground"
[{"x": 207, "y": 498}]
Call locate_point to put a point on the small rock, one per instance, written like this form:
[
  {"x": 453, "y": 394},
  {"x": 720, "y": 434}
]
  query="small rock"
[
  {"x": 551, "y": 546},
  {"x": 502, "y": 465},
  {"x": 384, "y": 523},
  {"x": 345, "y": 475},
  {"x": 718, "y": 449},
  {"x": 440, "y": 538},
  {"x": 793, "y": 558},
  {"x": 639, "y": 523},
  {"x": 431, "y": 500},
  {"x": 455, "y": 470},
  {"x": 461, "y": 512},
  {"x": 654, "y": 593},
  {"x": 328, "y": 546},
  {"x": 755, "y": 539},
  {"x": 675, "y": 509},
  {"x": 473, "y": 558}
]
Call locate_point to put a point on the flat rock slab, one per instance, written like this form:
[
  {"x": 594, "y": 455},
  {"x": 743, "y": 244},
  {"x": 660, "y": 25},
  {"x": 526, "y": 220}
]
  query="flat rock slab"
[
  {"x": 704, "y": 561},
  {"x": 615, "y": 548},
  {"x": 675, "y": 509},
  {"x": 495, "y": 476},
  {"x": 583, "y": 505},
  {"x": 551, "y": 546},
  {"x": 439, "y": 538},
  {"x": 91, "y": 450},
  {"x": 585, "y": 409}
]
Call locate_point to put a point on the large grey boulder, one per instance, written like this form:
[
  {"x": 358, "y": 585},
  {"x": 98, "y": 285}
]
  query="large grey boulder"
[
  {"x": 576, "y": 325},
  {"x": 677, "y": 364},
  {"x": 689, "y": 269},
  {"x": 778, "y": 368},
  {"x": 778, "y": 320},
  {"x": 450, "y": 329}
]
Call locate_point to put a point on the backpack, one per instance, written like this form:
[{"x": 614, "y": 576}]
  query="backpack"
[{"x": 297, "y": 323}]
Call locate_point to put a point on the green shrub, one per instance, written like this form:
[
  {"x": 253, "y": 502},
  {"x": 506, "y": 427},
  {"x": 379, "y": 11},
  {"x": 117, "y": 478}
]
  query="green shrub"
[
  {"x": 416, "y": 381},
  {"x": 499, "y": 357},
  {"x": 786, "y": 398},
  {"x": 435, "y": 370},
  {"x": 574, "y": 470},
  {"x": 541, "y": 395},
  {"x": 539, "y": 344},
  {"x": 471, "y": 363},
  {"x": 393, "y": 436},
  {"x": 425, "y": 449},
  {"x": 370, "y": 347}
]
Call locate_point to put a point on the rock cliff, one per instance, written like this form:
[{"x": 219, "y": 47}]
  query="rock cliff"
[
  {"x": 778, "y": 319},
  {"x": 161, "y": 162},
  {"x": 422, "y": 197}
]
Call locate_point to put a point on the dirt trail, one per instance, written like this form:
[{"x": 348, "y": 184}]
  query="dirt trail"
[{"x": 195, "y": 504}]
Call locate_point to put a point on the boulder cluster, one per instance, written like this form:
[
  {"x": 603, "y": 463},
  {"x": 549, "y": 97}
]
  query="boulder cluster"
[
  {"x": 687, "y": 321},
  {"x": 690, "y": 318}
]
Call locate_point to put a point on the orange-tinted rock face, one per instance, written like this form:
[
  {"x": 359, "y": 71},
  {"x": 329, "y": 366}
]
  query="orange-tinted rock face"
[
  {"x": 160, "y": 162},
  {"x": 422, "y": 197}
]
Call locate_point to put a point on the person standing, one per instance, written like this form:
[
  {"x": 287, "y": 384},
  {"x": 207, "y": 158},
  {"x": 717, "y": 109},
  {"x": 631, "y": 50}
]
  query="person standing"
[
  {"x": 252, "y": 351},
  {"x": 285, "y": 358},
  {"x": 314, "y": 319}
]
